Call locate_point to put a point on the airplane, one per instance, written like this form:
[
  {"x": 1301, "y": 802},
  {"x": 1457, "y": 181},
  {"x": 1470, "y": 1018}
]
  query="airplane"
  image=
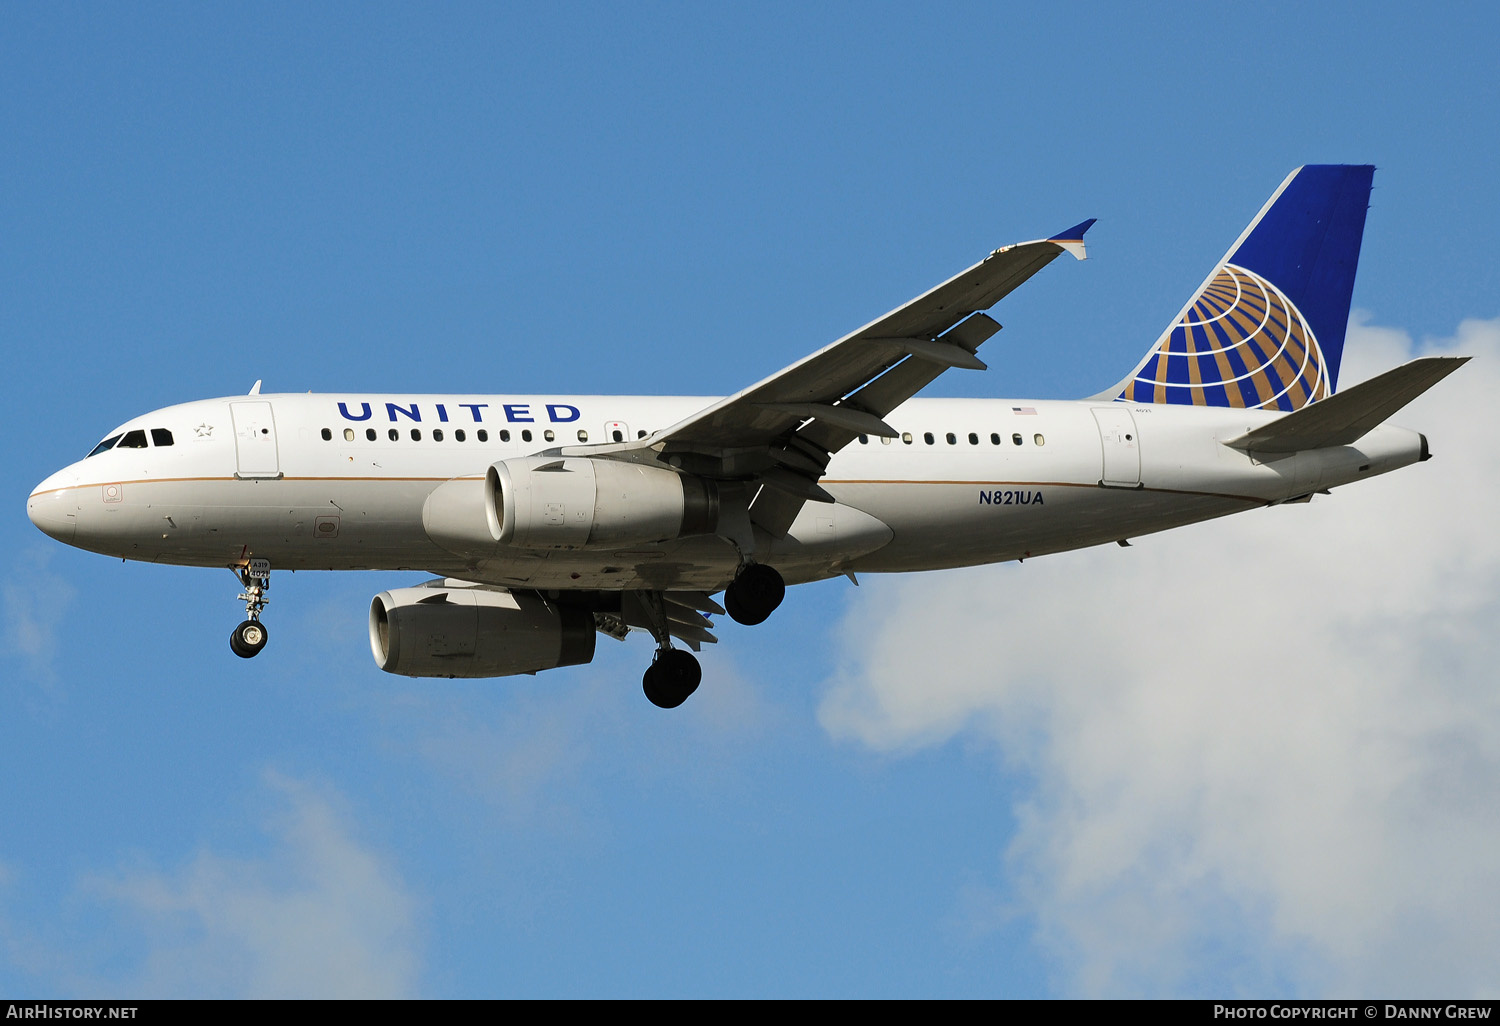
[{"x": 550, "y": 519}]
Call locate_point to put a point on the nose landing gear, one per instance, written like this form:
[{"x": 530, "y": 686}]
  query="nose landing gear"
[{"x": 249, "y": 637}]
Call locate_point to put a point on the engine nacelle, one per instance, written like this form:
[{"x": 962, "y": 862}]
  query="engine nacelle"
[
  {"x": 440, "y": 631},
  {"x": 576, "y": 503},
  {"x": 456, "y": 517}
]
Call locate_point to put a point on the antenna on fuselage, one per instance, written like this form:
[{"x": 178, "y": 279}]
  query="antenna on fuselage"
[{"x": 255, "y": 388}]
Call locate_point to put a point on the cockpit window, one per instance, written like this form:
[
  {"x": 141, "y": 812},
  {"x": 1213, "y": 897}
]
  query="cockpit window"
[
  {"x": 161, "y": 436},
  {"x": 133, "y": 440},
  {"x": 108, "y": 443}
]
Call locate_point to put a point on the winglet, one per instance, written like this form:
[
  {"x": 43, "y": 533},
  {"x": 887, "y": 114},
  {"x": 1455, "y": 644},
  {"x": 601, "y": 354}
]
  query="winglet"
[{"x": 1072, "y": 240}]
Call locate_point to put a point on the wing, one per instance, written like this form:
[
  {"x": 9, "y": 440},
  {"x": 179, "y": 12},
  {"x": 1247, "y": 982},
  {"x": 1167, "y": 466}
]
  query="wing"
[{"x": 779, "y": 434}]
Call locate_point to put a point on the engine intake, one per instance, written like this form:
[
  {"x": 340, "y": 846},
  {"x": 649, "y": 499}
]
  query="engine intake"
[{"x": 439, "y": 631}]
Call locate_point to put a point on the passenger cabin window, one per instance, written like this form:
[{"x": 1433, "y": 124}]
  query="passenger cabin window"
[
  {"x": 1039, "y": 440},
  {"x": 884, "y": 440},
  {"x": 973, "y": 438},
  {"x": 952, "y": 438},
  {"x": 864, "y": 440},
  {"x": 458, "y": 434},
  {"x": 927, "y": 437},
  {"x": 549, "y": 435},
  {"x": 1016, "y": 438},
  {"x": 161, "y": 436},
  {"x": 583, "y": 436},
  {"x": 133, "y": 440},
  {"x": 994, "y": 438},
  {"x": 108, "y": 443},
  {"x": 437, "y": 434},
  {"x": 394, "y": 435},
  {"x": 526, "y": 435},
  {"x": 640, "y": 434},
  {"x": 369, "y": 434},
  {"x": 619, "y": 436},
  {"x": 348, "y": 434},
  {"x": 483, "y": 435},
  {"x": 504, "y": 435},
  {"x": 327, "y": 436},
  {"x": 906, "y": 437}
]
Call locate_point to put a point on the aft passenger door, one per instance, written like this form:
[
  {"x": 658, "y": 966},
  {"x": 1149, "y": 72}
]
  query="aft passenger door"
[
  {"x": 255, "y": 440},
  {"x": 1122, "y": 453}
]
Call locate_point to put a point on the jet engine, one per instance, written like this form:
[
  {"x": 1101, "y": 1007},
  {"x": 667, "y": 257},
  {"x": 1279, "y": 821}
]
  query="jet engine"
[
  {"x": 540, "y": 503},
  {"x": 442, "y": 630}
]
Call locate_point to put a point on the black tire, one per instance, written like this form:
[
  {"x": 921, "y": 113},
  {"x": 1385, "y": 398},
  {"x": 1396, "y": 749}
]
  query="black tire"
[
  {"x": 682, "y": 670},
  {"x": 755, "y": 594},
  {"x": 656, "y": 693},
  {"x": 248, "y": 639},
  {"x": 671, "y": 678}
]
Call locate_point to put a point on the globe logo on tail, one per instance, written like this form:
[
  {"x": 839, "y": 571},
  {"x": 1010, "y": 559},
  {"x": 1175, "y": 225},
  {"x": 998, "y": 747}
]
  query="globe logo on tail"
[{"x": 1240, "y": 343}]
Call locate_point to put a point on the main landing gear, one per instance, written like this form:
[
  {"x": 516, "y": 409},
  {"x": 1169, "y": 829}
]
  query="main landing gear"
[
  {"x": 756, "y": 592},
  {"x": 672, "y": 676},
  {"x": 249, "y": 638},
  {"x": 675, "y": 674}
]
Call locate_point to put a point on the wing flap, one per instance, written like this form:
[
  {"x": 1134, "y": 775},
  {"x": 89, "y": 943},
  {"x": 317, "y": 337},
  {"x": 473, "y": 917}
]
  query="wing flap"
[{"x": 1348, "y": 415}]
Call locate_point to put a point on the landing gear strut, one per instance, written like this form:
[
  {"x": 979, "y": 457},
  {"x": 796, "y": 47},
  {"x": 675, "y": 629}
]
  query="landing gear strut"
[
  {"x": 673, "y": 674},
  {"x": 249, "y": 637},
  {"x": 755, "y": 594}
]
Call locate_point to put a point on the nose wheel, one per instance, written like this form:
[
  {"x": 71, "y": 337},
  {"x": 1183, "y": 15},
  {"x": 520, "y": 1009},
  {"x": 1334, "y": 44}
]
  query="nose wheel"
[{"x": 249, "y": 637}]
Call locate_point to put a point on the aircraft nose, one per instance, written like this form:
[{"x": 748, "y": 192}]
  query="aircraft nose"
[{"x": 53, "y": 507}]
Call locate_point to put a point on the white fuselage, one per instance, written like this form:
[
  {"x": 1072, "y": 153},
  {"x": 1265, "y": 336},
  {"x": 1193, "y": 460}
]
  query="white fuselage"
[{"x": 339, "y": 482}]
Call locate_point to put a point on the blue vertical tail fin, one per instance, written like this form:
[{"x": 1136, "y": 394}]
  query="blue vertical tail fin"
[{"x": 1266, "y": 330}]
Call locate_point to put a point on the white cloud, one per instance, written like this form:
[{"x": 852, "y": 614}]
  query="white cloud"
[
  {"x": 1261, "y": 752},
  {"x": 320, "y": 916},
  {"x": 33, "y": 600}
]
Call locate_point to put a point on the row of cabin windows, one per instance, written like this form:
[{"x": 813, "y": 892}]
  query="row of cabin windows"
[
  {"x": 930, "y": 439},
  {"x": 133, "y": 440},
  {"x": 483, "y": 435},
  {"x": 460, "y": 435}
]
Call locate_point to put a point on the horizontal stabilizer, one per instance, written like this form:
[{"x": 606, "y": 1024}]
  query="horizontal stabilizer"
[{"x": 1349, "y": 415}]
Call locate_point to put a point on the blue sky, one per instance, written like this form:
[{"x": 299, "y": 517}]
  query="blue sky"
[{"x": 1002, "y": 782}]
